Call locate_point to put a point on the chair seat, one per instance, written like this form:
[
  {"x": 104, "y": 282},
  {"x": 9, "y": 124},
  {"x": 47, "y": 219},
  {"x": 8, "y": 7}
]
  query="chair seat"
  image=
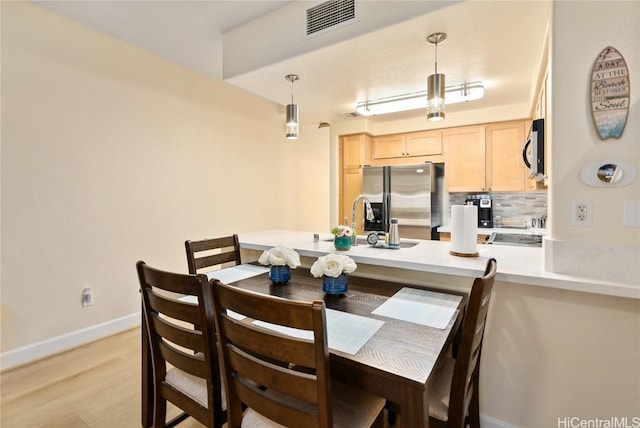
[
  {"x": 191, "y": 386},
  {"x": 441, "y": 391},
  {"x": 352, "y": 408}
]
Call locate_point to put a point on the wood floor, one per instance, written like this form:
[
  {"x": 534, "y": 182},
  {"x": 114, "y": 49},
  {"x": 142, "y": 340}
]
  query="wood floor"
[{"x": 96, "y": 385}]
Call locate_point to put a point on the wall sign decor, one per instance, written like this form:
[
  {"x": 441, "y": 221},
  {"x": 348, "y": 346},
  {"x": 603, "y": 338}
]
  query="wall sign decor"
[{"x": 610, "y": 90}]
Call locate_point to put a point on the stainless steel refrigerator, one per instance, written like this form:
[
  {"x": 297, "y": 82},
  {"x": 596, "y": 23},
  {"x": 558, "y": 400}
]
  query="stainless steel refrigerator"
[{"x": 411, "y": 193}]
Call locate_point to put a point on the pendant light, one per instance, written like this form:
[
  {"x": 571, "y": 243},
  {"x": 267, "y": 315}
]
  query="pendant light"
[
  {"x": 292, "y": 126},
  {"x": 435, "y": 84}
]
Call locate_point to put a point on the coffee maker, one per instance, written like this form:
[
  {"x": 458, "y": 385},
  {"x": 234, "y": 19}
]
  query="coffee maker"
[{"x": 485, "y": 210}]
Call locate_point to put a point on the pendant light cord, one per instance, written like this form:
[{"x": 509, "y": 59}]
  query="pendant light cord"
[
  {"x": 435, "y": 39},
  {"x": 291, "y": 78},
  {"x": 436, "y": 61}
]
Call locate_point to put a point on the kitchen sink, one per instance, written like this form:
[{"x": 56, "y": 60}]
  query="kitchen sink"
[
  {"x": 363, "y": 241},
  {"x": 403, "y": 244}
]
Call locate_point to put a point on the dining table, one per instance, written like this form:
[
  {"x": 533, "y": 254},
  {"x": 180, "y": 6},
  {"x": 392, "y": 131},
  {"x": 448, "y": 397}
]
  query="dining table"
[{"x": 386, "y": 337}]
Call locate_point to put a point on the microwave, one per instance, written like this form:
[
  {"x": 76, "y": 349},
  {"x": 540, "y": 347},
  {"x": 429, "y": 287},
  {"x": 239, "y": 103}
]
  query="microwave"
[{"x": 533, "y": 151}]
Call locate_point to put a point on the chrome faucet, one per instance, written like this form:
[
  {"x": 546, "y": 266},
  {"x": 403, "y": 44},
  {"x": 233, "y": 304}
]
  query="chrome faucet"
[{"x": 369, "y": 215}]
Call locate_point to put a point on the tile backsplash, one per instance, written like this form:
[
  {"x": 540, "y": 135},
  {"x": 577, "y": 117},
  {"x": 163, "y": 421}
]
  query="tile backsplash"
[{"x": 509, "y": 205}]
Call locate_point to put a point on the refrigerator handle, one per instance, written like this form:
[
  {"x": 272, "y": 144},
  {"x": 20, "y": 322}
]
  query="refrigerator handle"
[{"x": 386, "y": 205}]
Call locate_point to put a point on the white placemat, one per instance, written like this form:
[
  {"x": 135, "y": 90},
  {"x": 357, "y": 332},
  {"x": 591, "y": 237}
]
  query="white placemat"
[
  {"x": 345, "y": 332},
  {"x": 236, "y": 273},
  {"x": 420, "y": 307}
]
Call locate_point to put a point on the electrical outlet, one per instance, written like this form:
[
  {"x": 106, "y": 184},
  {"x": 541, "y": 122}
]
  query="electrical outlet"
[
  {"x": 581, "y": 213},
  {"x": 87, "y": 297}
]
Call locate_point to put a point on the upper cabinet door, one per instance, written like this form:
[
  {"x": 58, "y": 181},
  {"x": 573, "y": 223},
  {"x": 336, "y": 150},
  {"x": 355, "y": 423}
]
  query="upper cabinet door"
[
  {"x": 465, "y": 159},
  {"x": 425, "y": 143},
  {"x": 353, "y": 151},
  {"x": 389, "y": 146},
  {"x": 505, "y": 166}
]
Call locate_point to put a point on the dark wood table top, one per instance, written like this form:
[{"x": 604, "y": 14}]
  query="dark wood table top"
[
  {"x": 396, "y": 363},
  {"x": 399, "y": 351}
]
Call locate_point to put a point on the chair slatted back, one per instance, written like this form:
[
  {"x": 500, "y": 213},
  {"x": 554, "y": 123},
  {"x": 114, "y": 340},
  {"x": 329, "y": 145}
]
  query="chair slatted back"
[
  {"x": 210, "y": 253},
  {"x": 293, "y": 373},
  {"x": 181, "y": 335},
  {"x": 467, "y": 365}
]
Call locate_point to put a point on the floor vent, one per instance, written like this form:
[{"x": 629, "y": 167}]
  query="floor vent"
[{"x": 327, "y": 15}]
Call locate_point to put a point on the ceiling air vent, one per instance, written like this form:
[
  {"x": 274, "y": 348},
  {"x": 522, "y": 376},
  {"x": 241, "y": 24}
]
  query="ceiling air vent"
[
  {"x": 350, "y": 114},
  {"x": 329, "y": 14}
]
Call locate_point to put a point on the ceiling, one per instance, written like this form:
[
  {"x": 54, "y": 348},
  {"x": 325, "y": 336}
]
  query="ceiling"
[{"x": 500, "y": 43}]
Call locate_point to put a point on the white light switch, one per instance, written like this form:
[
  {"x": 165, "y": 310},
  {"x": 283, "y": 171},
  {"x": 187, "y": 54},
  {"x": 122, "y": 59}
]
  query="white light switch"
[{"x": 631, "y": 213}]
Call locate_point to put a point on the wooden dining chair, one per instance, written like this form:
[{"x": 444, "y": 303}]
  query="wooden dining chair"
[
  {"x": 454, "y": 396},
  {"x": 212, "y": 253},
  {"x": 181, "y": 336},
  {"x": 283, "y": 380}
]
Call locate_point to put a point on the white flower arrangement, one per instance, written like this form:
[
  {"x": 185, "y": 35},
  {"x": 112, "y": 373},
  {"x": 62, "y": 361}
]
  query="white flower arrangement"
[
  {"x": 280, "y": 256},
  {"x": 333, "y": 265},
  {"x": 342, "y": 230}
]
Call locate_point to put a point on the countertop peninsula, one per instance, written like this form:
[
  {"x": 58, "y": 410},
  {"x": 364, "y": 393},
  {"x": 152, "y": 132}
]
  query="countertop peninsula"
[{"x": 518, "y": 265}]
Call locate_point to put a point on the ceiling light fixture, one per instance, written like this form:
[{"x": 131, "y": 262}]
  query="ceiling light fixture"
[
  {"x": 435, "y": 83},
  {"x": 418, "y": 100},
  {"x": 292, "y": 126}
]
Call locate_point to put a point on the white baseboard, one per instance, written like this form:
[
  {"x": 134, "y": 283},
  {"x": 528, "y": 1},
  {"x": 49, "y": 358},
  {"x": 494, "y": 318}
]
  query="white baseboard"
[
  {"x": 487, "y": 422},
  {"x": 27, "y": 354}
]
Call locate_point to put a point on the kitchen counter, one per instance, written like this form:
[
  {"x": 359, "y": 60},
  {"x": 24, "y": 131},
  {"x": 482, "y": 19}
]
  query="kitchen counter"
[{"x": 519, "y": 265}]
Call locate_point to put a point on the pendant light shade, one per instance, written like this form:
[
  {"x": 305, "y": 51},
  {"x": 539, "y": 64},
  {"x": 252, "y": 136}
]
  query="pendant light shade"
[
  {"x": 435, "y": 104},
  {"x": 292, "y": 125},
  {"x": 435, "y": 84}
]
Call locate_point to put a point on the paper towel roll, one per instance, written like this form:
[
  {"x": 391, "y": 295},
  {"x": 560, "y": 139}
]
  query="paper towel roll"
[{"x": 464, "y": 229}]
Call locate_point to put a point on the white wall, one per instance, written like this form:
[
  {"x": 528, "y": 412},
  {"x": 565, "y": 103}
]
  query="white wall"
[
  {"x": 607, "y": 248},
  {"x": 111, "y": 155},
  {"x": 575, "y": 139}
]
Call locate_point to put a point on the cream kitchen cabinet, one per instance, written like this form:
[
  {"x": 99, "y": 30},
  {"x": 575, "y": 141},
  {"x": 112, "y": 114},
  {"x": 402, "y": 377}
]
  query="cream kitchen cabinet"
[
  {"x": 485, "y": 158},
  {"x": 465, "y": 159},
  {"x": 505, "y": 166},
  {"x": 352, "y": 150},
  {"x": 424, "y": 143},
  {"x": 351, "y": 188},
  {"x": 354, "y": 153}
]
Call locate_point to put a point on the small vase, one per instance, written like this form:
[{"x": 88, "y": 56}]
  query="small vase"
[
  {"x": 342, "y": 243},
  {"x": 335, "y": 286},
  {"x": 279, "y": 274}
]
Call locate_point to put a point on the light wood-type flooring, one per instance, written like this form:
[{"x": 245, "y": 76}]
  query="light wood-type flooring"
[{"x": 95, "y": 385}]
